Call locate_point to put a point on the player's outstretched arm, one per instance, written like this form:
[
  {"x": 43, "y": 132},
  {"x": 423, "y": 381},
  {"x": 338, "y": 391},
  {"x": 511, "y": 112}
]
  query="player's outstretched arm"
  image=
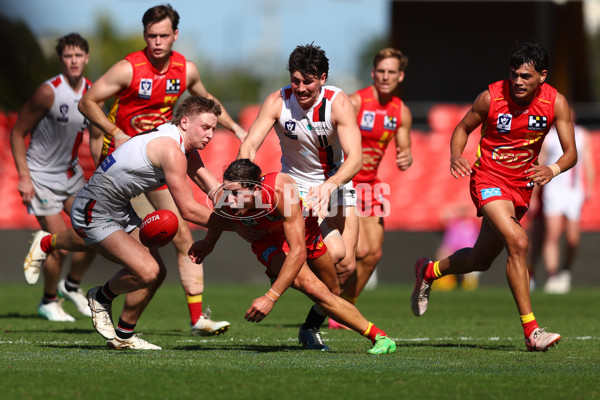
[
  {"x": 116, "y": 79},
  {"x": 267, "y": 116}
]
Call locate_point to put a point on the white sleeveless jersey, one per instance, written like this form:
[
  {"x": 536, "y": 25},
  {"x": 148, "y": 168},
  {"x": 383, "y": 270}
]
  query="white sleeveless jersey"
[
  {"x": 127, "y": 172},
  {"x": 573, "y": 178},
  {"x": 56, "y": 138},
  {"x": 310, "y": 146}
]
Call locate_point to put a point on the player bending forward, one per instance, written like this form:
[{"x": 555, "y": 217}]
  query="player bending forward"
[{"x": 290, "y": 249}]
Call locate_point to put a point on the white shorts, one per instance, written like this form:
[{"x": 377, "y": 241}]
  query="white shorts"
[
  {"x": 94, "y": 222},
  {"x": 52, "y": 190},
  {"x": 346, "y": 196},
  {"x": 560, "y": 200}
]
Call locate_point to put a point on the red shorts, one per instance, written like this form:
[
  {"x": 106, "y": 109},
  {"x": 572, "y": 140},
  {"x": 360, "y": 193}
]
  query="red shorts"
[
  {"x": 486, "y": 188},
  {"x": 370, "y": 198},
  {"x": 266, "y": 249}
]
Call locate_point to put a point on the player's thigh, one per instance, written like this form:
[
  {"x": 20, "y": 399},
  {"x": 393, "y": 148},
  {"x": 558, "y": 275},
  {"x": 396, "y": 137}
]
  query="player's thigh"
[
  {"x": 52, "y": 223},
  {"x": 324, "y": 268}
]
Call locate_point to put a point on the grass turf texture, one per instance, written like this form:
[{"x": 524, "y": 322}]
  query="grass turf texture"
[{"x": 469, "y": 345}]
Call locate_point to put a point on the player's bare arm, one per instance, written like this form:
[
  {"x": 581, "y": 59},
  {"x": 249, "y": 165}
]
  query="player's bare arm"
[
  {"x": 165, "y": 153},
  {"x": 197, "y": 88},
  {"x": 343, "y": 117},
  {"x": 31, "y": 114},
  {"x": 459, "y": 166},
  {"x": 268, "y": 114},
  {"x": 116, "y": 79},
  {"x": 404, "y": 158},
  {"x": 201, "y": 175},
  {"x": 288, "y": 205},
  {"x": 542, "y": 174}
]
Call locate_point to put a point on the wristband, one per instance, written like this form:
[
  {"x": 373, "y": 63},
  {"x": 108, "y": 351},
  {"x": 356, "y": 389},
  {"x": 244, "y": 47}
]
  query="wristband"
[
  {"x": 555, "y": 169},
  {"x": 270, "y": 298}
]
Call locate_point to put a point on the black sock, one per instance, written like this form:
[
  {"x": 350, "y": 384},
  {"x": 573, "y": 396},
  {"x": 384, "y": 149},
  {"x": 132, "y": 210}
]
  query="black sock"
[
  {"x": 124, "y": 330},
  {"x": 313, "y": 320},
  {"x": 71, "y": 284},
  {"x": 49, "y": 298},
  {"x": 105, "y": 295}
]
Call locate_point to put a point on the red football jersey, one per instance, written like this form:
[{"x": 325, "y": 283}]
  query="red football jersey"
[
  {"x": 512, "y": 136},
  {"x": 268, "y": 220},
  {"x": 149, "y": 100},
  {"x": 378, "y": 125}
]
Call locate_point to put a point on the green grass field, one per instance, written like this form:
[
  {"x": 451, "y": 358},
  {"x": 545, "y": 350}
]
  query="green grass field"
[{"x": 469, "y": 345}]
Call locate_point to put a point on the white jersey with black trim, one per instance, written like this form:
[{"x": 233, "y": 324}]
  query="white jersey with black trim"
[
  {"x": 310, "y": 147},
  {"x": 56, "y": 138},
  {"x": 128, "y": 172},
  {"x": 573, "y": 178}
]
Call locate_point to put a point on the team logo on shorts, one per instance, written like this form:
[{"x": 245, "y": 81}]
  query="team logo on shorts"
[
  {"x": 537, "y": 123},
  {"x": 367, "y": 121},
  {"x": 145, "y": 89},
  {"x": 504, "y": 123},
  {"x": 490, "y": 192},
  {"x": 173, "y": 86},
  {"x": 389, "y": 122},
  {"x": 290, "y": 127}
]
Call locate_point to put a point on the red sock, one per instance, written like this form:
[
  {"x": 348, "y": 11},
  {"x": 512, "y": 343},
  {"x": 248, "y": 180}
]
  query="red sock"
[
  {"x": 195, "y": 307},
  {"x": 372, "y": 331},
  {"x": 46, "y": 244},
  {"x": 529, "y": 324},
  {"x": 429, "y": 275}
]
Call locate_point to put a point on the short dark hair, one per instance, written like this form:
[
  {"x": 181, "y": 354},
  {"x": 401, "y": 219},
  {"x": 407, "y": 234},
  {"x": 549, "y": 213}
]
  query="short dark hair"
[
  {"x": 530, "y": 52},
  {"x": 72, "y": 39},
  {"x": 243, "y": 171},
  {"x": 309, "y": 60},
  {"x": 158, "y": 13},
  {"x": 195, "y": 105},
  {"x": 390, "y": 52}
]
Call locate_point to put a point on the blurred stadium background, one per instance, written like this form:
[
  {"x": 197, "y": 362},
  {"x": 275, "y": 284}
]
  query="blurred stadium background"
[{"x": 455, "y": 50}]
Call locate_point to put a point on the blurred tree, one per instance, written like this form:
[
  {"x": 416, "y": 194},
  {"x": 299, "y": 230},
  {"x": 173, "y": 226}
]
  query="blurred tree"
[
  {"x": 24, "y": 66},
  {"x": 365, "y": 63}
]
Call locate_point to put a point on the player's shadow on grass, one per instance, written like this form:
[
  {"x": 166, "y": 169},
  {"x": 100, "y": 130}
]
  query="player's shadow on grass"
[
  {"x": 496, "y": 347},
  {"x": 251, "y": 348},
  {"x": 19, "y": 315},
  {"x": 76, "y": 346}
]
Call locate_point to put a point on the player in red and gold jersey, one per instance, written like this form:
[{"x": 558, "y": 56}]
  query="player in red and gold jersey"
[
  {"x": 147, "y": 84},
  {"x": 382, "y": 117},
  {"x": 293, "y": 251},
  {"x": 515, "y": 115}
]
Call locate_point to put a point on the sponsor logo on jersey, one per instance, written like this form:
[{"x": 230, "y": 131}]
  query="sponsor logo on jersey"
[
  {"x": 145, "y": 89},
  {"x": 173, "y": 86},
  {"x": 490, "y": 192},
  {"x": 290, "y": 127},
  {"x": 389, "y": 122},
  {"x": 504, "y": 123},
  {"x": 537, "y": 122},
  {"x": 63, "y": 109},
  {"x": 367, "y": 121},
  {"x": 512, "y": 157},
  {"x": 145, "y": 122}
]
